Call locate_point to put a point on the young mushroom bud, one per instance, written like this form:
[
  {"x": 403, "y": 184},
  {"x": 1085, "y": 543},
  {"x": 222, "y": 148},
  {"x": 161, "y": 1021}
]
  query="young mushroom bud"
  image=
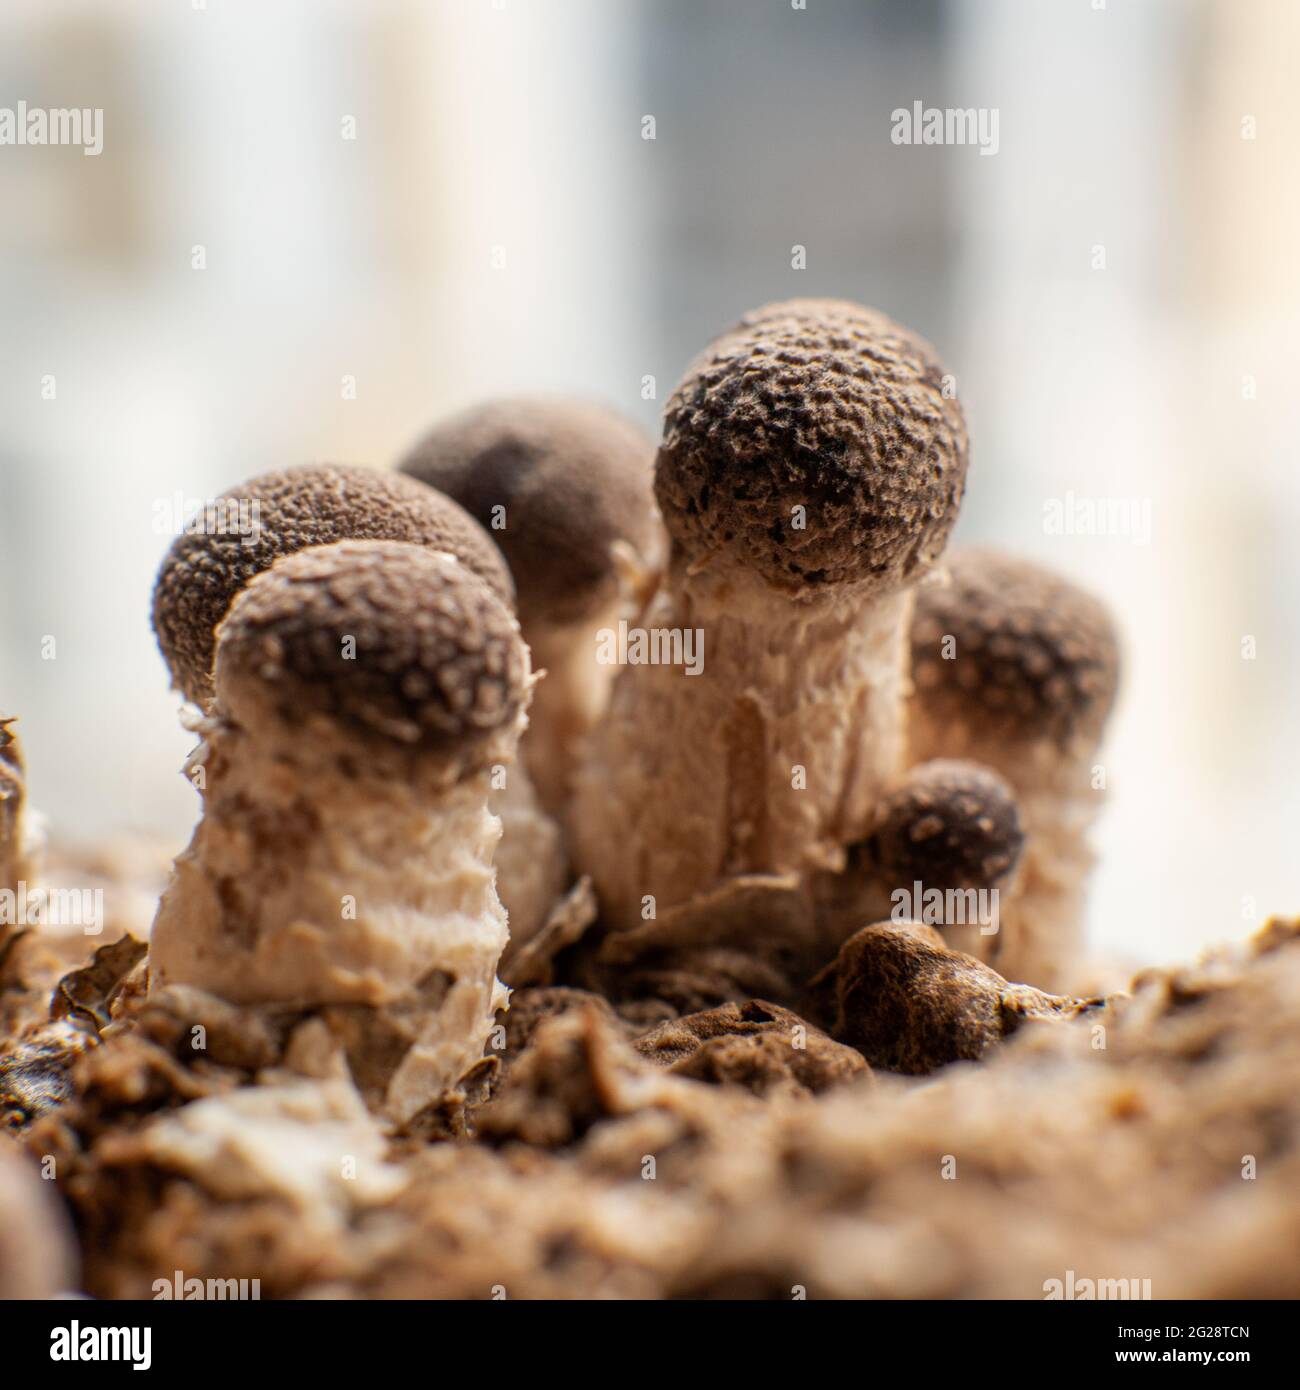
[
  {"x": 243, "y": 532},
  {"x": 1017, "y": 668},
  {"x": 364, "y": 693},
  {"x": 943, "y": 849},
  {"x": 909, "y": 1004},
  {"x": 811, "y": 468},
  {"x": 566, "y": 489}
]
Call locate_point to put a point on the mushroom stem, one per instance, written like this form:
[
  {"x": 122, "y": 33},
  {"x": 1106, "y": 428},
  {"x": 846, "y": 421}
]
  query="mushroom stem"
[
  {"x": 387, "y": 900},
  {"x": 532, "y": 864},
  {"x": 755, "y": 765},
  {"x": 568, "y": 701}
]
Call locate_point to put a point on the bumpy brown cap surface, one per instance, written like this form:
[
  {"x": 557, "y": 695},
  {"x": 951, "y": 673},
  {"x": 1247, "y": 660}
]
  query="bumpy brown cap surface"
[
  {"x": 438, "y": 664},
  {"x": 297, "y": 508},
  {"x": 827, "y": 405},
  {"x": 951, "y": 824},
  {"x": 573, "y": 478},
  {"x": 1034, "y": 656}
]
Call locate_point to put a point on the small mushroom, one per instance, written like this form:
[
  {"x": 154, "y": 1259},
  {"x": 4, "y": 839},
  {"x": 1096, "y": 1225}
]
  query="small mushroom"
[
  {"x": 911, "y": 1005},
  {"x": 532, "y": 859},
  {"x": 566, "y": 490},
  {"x": 811, "y": 468},
  {"x": 1017, "y": 668},
  {"x": 364, "y": 692},
  {"x": 943, "y": 850},
  {"x": 249, "y": 527}
]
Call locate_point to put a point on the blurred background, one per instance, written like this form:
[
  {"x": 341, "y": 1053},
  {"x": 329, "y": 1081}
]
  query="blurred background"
[{"x": 316, "y": 226}]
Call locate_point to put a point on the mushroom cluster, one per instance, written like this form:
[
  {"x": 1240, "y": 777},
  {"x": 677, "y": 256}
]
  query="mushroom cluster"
[
  {"x": 874, "y": 732},
  {"x": 552, "y": 785},
  {"x": 764, "y": 715}
]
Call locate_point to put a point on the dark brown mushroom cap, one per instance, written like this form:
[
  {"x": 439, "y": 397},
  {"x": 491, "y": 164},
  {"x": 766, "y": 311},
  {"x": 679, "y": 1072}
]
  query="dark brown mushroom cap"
[
  {"x": 437, "y": 665},
  {"x": 295, "y": 509},
  {"x": 573, "y": 478},
  {"x": 1034, "y": 657},
  {"x": 950, "y": 825},
  {"x": 824, "y": 404}
]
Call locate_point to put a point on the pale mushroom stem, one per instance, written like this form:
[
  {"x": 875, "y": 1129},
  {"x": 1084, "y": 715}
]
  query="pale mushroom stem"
[
  {"x": 768, "y": 761},
  {"x": 568, "y": 702},
  {"x": 1041, "y": 934},
  {"x": 1042, "y": 930},
  {"x": 531, "y": 860},
  {"x": 303, "y": 887}
]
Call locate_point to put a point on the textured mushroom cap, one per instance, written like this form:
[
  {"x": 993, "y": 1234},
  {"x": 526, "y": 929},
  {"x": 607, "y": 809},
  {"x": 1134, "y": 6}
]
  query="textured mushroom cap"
[
  {"x": 297, "y": 508},
  {"x": 824, "y": 404},
  {"x": 1035, "y": 657},
  {"x": 573, "y": 478},
  {"x": 438, "y": 666},
  {"x": 950, "y": 825}
]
